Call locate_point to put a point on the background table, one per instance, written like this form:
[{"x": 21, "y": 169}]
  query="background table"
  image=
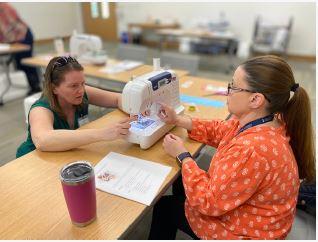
[
  {"x": 6, "y": 57},
  {"x": 197, "y": 89},
  {"x": 212, "y": 37},
  {"x": 94, "y": 71}
]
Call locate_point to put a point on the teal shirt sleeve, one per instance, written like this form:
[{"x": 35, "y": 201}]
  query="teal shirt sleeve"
[{"x": 58, "y": 123}]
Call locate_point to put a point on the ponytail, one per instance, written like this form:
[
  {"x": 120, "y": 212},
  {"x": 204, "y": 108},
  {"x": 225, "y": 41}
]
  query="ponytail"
[{"x": 297, "y": 116}]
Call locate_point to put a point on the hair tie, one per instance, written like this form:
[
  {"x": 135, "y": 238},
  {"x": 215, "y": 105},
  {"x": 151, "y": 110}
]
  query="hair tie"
[{"x": 294, "y": 87}]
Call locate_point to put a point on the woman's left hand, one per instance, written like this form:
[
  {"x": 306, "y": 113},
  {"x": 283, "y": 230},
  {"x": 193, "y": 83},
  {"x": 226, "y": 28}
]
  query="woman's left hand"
[{"x": 173, "y": 145}]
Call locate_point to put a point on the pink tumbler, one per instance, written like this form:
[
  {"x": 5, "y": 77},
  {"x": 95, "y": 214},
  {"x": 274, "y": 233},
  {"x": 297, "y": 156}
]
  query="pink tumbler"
[{"x": 78, "y": 182}]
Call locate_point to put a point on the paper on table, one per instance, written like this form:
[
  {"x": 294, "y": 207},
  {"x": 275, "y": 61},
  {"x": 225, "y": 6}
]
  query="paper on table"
[
  {"x": 4, "y": 46},
  {"x": 46, "y": 57},
  {"x": 121, "y": 66},
  {"x": 215, "y": 90},
  {"x": 187, "y": 84},
  {"x": 130, "y": 177}
]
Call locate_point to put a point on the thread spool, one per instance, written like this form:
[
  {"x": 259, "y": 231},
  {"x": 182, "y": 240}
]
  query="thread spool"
[{"x": 156, "y": 64}]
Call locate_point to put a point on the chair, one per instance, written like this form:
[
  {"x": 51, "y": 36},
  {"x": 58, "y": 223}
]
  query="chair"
[
  {"x": 28, "y": 101},
  {"x": 132, "y": 52},
  {"x": 180, "y": 61},
  {"x": 270, "y": 38}
]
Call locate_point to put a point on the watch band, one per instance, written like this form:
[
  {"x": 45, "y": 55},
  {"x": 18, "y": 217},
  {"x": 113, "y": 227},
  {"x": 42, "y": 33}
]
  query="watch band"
[{"x": 182, "y": 156}]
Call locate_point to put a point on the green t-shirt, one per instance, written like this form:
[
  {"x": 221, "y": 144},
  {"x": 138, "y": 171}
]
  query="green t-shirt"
[{"x": 58, "y": 123}]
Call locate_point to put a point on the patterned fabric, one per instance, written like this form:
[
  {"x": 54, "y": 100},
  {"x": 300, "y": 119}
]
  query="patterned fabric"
[
  {"x": 12, "y": 28},
  {"x": 250, "y": 190}
]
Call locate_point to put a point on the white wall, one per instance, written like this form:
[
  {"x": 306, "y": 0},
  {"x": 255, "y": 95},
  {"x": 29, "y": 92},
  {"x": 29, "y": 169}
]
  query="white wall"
[
  {"x": 240, "y": 15},
  {"x": 49, "y": 20}
]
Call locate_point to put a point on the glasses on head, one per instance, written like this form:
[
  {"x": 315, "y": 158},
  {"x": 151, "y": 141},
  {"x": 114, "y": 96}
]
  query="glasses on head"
[
  {"x": 63, "y": 60},
  {"x": 231, "y": 89}
]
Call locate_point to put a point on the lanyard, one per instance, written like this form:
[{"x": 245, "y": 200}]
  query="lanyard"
[{"x": 257, "y": 122}]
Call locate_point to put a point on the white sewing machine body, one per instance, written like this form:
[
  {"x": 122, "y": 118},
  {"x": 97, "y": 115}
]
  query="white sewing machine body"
[
  {"x": 87, "y": 49},
  {"x": 143, "y": 93}
]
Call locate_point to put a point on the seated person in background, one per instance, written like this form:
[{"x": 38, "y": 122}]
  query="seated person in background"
[
  {"x": 63, "y": 107},
  {"x": 14, "y": 30},
  {"x": 250, "y": 190}
]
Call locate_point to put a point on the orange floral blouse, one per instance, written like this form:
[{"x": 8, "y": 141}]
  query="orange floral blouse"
[{"x": 250, "y": 190}]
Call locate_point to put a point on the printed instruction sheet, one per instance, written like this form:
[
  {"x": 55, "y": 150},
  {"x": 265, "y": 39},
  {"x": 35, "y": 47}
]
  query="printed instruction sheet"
[{"x": 130, "y": 177}]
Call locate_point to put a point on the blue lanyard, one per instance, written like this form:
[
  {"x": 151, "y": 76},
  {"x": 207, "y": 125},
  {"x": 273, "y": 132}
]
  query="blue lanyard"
[{"x": 257, "y": 122}]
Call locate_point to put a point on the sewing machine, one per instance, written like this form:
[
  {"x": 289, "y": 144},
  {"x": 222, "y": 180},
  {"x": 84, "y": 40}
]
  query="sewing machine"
[
  {"x": 87, "y": 49},
  {"x": 143, "y": 93}
]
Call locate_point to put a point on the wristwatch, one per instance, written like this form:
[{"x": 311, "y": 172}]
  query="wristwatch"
[{"x": 182, "y": 156}]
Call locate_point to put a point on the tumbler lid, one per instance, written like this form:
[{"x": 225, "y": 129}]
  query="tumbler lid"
[{"x": 76, "y": 172}]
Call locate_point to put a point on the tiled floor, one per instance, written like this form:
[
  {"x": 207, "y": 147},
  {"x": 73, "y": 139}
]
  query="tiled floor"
[{"x": 13, "y": 127}]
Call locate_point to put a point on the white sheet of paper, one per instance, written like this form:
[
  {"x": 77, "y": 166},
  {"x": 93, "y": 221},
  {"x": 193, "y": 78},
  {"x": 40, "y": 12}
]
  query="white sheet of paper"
[
  {"x": 121, "y": 66},
  {"x": 4, "y": 46},
  {"x": 187, "y": 84},
  {"x": 210, "y": 88},
  {"x": 46, "y": 57},
  {"x": 129, "y": 177}
]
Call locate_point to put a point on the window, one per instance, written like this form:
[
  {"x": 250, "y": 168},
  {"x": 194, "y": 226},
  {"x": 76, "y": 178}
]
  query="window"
[
  {"x": 105, "y": 9},
  {"x": 94, "y": 10}
]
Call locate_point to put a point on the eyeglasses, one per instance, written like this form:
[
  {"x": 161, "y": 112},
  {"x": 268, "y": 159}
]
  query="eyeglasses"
[
  {"x": 63, "y": 60},
  {"x": 231, "y": 88}
]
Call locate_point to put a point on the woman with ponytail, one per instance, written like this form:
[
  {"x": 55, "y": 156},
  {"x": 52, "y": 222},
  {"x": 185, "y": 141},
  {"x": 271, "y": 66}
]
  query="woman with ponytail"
[
  {"x": 250, "y": 189},
  {"x": 63, "y": 107},
  {"x": 290, "y": 102}
]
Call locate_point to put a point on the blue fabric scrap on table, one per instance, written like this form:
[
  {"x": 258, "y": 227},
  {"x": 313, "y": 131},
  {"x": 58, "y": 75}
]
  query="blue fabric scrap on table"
[{"x": 201, "y": 101}]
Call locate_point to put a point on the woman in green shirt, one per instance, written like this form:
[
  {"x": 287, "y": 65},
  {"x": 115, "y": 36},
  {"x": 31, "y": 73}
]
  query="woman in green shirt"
[{"x": 63, "y": 107}]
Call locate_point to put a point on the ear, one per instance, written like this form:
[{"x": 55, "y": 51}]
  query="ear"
[
  {"x": 54, "y": 89},
  {"x": 256, "y": 100}
]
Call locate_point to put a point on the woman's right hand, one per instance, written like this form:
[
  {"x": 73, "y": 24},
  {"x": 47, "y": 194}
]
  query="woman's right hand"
[
  {"x": 119, "y": 129},
  {"x": 167, "y": 114}
]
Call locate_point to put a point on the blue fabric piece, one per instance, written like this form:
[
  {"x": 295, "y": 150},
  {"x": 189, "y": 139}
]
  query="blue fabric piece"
[{"x": 202, "y": 101}]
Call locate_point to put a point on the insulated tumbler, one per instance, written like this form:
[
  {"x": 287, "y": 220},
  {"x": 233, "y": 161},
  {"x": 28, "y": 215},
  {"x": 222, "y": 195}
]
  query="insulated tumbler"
[{"x": 78, "y": 182}]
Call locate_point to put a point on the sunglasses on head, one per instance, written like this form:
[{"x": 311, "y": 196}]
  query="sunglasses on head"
[{"x": 63, "y": 60}]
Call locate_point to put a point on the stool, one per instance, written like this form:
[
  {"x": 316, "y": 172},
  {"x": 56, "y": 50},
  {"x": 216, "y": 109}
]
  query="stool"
[{"x": 28, "y": 101}]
